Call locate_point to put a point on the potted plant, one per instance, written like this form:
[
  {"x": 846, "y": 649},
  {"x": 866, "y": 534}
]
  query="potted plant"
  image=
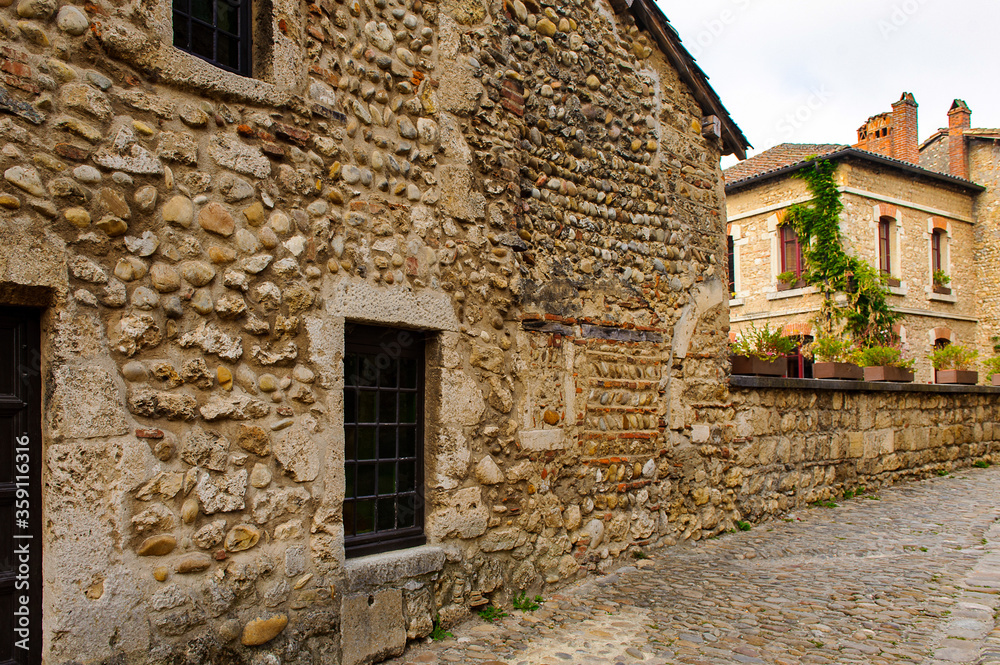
[
  {"x": 941, "y": 281},
  {"x": 884, "y": 362},
  {"x": 952, "y": 363},
  {"x": 992, "y": 367},
  {"x": 832, "y": 359},
  {"x": 789, "y": 280},
  {"x": 761, "y": 351}
]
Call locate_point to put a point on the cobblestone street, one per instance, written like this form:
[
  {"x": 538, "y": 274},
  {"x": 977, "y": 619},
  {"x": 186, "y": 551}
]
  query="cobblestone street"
[{"x": 909, "y": 574}]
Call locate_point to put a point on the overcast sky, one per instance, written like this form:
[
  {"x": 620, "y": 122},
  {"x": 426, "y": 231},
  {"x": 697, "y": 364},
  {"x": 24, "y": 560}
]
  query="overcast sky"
[{"x": 802, "y": 71}]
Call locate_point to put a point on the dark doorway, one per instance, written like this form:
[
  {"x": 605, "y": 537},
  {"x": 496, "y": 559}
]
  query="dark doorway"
[{"x": 20, "y": 487}]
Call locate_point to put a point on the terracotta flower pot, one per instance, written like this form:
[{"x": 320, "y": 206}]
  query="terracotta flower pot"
[
  {"x": 749, "y": 366},
  {"x": 888, "y": 373},
  {"x": 842, "y": 371},
  {"x": 964, "y": 377}
]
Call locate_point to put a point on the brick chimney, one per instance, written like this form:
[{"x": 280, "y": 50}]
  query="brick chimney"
[
  {"x": 959, "y": 119},
  {"x": 904, "y": 129}
]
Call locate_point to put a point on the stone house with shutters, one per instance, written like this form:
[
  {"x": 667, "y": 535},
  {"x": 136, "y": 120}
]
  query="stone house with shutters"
[
  {"x": 323, "y": 321},
  {"x": 910, "y": 209}
]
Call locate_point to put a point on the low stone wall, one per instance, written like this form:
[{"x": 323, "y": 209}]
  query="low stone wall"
[{"x": 782, "y": 443}]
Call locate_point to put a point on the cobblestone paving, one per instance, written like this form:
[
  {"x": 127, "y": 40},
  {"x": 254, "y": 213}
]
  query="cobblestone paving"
[{"x": 909, "y": 575}]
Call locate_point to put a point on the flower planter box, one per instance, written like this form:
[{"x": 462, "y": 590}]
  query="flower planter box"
[
  {"x": 744, "y": 365},
  {"x": 964, "y": 377},
  {"x": 995, "y": 380},
  {"x": 887, "y": 373},
  {"x": 842, "y": 371},
  {"x": 943, "y": 290},
  {"x": 785, "y": 286},
  {"x": 893, "y": 282}
]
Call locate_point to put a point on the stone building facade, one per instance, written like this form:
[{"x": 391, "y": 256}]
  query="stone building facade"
[
  {"x": 902, "y": 213},
  {"x": 438, "y": 278}
]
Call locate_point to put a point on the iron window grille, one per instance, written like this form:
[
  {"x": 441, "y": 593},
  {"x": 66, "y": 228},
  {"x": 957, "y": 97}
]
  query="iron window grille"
[
  {"x": 383, "y": 428},
  {"x": 217, "y": 31}
]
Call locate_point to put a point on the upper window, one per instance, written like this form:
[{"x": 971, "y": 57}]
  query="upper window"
[
  {"x": 217, "y": 31},
  {"x": 937, "y": 245},
  {"x": 885, "y": 245},
  {"x": 383, "y": 428},
  {"x": 791, "y": 251}
]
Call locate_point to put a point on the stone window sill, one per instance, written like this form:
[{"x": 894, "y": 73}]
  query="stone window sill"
[
  {"x": 370, "y": 572},
  {"x": 940, "y": 297},
  {"x": 736, "y": 302},
  {"x": 900, "y": 290},
  {"x": 791, "y": 293}
]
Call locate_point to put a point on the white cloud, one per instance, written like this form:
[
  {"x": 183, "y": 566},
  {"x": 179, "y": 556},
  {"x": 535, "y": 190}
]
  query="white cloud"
[{"x": 813, "y": 72}]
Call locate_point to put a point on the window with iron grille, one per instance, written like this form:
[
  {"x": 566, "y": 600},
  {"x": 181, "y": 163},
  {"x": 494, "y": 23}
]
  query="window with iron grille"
[
  {"x": 383, "y": 427},
  {"x": 217, "y": 31}
]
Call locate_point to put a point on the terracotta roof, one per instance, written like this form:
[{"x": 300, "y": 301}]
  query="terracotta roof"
[
  {"x": 776, "y": 158},
  {"x": 789, "y": 157}
]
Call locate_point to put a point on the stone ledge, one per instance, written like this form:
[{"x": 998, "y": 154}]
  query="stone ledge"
[
  {"x": 370, "y": 572},
  {"x": 856, "y": 386}
]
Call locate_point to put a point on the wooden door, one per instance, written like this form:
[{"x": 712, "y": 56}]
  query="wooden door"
[{"x": 20, "y": 488}]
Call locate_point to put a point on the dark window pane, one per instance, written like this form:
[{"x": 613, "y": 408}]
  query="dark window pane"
[
  {"x": 228, "y": 51},
  {"x": 366, "y": 443},
  {"x": 406, "y": 514},
  {"x": 350, "y": 406},
  {"x": 366, "y": 406},
  {"x": 407, "y": 477},
  {"x": 202, "y": 41},
  {"x": 181, "y": 6},
  {"x": 387, "y": 442},
  {"x": 202, "y": 10},
  {"x": 407, "y": 441},
  {"x": 368, "y": 371},
  {"x": 351, "y": 370},
  {"x": 182, "y": 31},
  {"x": 366, "y": 480},
  {"x": 387, "y": 376},
  {"x": 350, "y": 445},
  {"x": 408, "y": 373},
  {"x": 407, "y": 407},
  {"x": 387, "y": 407},
  {"x": 386, "y": 514},
  {"x": 387, "y": 478},
  {"x": 349, "y": 518},
  {"x": 349, "y": 480},
  {"x": 227, "y": 17},
  {"x": 364, "y": 512}
]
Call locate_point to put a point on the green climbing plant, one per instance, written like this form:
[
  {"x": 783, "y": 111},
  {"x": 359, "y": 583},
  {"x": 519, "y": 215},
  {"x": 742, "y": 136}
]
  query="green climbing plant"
[{"x": 866, "y": 315}]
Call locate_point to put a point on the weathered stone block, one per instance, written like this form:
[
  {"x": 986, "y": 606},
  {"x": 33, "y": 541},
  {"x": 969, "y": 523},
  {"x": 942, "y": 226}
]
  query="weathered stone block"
[{"x": 372, "y": 627}]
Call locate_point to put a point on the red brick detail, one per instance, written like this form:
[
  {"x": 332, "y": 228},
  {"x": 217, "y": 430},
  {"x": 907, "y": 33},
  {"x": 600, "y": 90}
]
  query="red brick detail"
[
  {"x": 939, "y": 223},
  {"x": 149, "y": 433},
  {"x": 70, "y": 151},
  {"x": 887, "y": 210},
  {"x": 796, "y": 329},
  {"x": 16, "y": 68},
  {"x": 941, "y": 333},
  {"x": 13, "y": 54},
  {"x": 292, "y": 134},
  {"x": 904, "y": 131},
  {"x": 21, "y": 84},
  {"x": 273, "y": 150},
  {"x": 781, "y": 214}
]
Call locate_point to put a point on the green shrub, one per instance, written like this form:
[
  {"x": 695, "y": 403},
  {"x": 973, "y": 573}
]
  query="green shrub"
[
  {"x": 764, "y": 343},
  {"x": 829, "y": 350},
  {"x": 788, "y": 277},
  {"x": 992, "y": 366},
  {"x": 941, "y": 278},
  {"x": 492, "y": 613},
  {"x": 525, "y": 604},
  {"x": 879, "y": 355},
  {"x": 953, "y": 356}
]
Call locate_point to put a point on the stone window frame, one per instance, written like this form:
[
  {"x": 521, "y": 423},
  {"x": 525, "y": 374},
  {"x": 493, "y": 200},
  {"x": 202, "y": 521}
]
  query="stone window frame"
[
  {"x": 880, "y": 212},
  {"x": 773, "y": 235},
  {"x": 279, "y": 68},
  {"x": 735, "y": 231},
  {"x": 944, "y": 226}
]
